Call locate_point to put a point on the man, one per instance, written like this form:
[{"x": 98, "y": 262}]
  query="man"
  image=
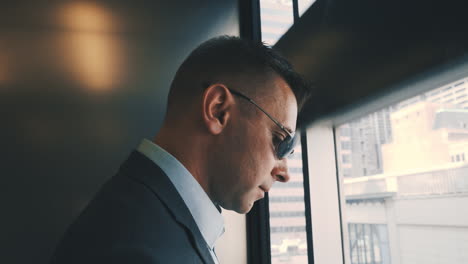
[{"x": 229, "y": 127}]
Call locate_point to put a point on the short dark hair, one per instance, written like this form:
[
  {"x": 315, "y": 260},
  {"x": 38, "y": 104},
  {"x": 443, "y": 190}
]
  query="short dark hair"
[{"x": 228, "y": 56}]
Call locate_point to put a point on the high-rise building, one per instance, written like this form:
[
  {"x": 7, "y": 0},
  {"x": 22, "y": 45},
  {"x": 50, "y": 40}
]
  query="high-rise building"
[
  {"x": 455, "y": 94},
  {"x": 389, "y": 216},
  {"x": 287, "y": 216},
  {"x": 360, "y": 141},
  {"x": 359, "y": 144}
]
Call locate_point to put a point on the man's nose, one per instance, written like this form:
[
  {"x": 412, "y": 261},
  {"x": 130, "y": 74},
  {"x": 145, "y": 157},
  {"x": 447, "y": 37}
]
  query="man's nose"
[{"x": 280, "y": 171}]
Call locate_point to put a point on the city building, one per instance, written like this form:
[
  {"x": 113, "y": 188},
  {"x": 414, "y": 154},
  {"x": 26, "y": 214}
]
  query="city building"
[
  {"x": 287, "y": 216},
  {"x": 359, "y": 144},
  {"x": 389, "y": 216},
  {"x": 360, "y": 141}
]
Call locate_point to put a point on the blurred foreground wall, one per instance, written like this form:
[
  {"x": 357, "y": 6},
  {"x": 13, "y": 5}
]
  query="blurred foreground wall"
[{"x": 81, "y": 83}]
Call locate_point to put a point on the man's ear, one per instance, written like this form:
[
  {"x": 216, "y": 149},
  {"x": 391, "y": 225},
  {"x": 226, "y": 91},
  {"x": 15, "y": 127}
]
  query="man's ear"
[{"x": 217, "y": 104}]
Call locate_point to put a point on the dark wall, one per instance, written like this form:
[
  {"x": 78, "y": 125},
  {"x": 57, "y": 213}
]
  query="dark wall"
[{"x": 81, "y": 83}]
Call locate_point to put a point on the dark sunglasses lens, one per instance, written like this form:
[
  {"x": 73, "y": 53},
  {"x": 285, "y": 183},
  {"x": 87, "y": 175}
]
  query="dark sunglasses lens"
[{"x": 287, "y": 146}]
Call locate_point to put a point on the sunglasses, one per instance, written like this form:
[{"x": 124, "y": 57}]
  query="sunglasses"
[{"x": 286, "y": 146}]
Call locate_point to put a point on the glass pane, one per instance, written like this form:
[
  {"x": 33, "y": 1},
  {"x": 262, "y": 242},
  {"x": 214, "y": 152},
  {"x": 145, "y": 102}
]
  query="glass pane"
[
  {"x": 276, "y": 18},
  {"x": 287, "y": 208},
  {"x": 287, "y": 216},
  {"x": 404, "y": 175},
  {"x": 304, "y": 5}
]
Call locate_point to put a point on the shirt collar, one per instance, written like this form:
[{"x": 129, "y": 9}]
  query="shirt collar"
[{"x": 205, "y": 213}]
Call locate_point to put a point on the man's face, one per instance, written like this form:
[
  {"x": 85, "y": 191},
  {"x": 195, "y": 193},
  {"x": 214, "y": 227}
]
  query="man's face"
[{"x": 248, "y": 165}]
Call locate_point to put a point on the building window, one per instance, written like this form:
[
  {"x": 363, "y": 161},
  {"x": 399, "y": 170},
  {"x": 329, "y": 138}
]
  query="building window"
[
  {"x": 345, "y": 159},
  {"x": 446, "y": 88},
  {"x": 345, "y": 145},
  {"x": 287, "y": 216},
  {"x": 369, "y": 244},
  {"x": 345, "y": 131},
  {"x": 346, "y": 172},
  {"x": 460, "y": 90}
]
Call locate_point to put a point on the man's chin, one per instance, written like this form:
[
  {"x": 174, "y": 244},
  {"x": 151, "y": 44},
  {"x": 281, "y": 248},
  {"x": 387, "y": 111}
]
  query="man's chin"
[
  {"x": 246, "y": 208},
  {"x": 242, "y": 208}
]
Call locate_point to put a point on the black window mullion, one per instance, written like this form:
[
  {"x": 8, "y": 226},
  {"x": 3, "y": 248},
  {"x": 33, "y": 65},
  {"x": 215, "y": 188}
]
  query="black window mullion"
[
  {"x": 295, "y": 10},
  {"x": 249, "y": 20},
  {"x": 258, "y": 233}
]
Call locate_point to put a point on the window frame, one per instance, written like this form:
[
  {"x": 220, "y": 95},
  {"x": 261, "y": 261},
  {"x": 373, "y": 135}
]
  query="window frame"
[{"x": 402, "y": 91}]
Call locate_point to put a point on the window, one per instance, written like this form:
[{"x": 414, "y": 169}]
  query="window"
[
  {"x": 288, "y": 236},
  {"x": 368, "y": 243},
  {"x": 345, "y": 131},
  {"x": 409, "y": 190},
  {"x": 447, "y": 88},
  {"x": 345, "y": 158},
  {"x": 276, "y": 19},
  {"x": 461, "y": 90},
  {"x": 287, "y": 216},
  {"x": 345, "y": 145}
]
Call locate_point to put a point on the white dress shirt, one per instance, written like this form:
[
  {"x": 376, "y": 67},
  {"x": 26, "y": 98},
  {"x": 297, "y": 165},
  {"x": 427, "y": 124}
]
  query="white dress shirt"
[{"x": 207, "y": 216}]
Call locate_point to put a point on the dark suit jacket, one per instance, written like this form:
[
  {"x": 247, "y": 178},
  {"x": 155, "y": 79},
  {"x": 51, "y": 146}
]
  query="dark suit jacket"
[{"x": 137, "y": 217}]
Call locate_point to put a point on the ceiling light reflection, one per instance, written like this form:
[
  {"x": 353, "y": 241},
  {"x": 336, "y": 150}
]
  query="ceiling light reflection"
[
  {"x": 89, "y": 17},
  {"x": 95, "y": 60},
  {"x": 92, "y": 52}
]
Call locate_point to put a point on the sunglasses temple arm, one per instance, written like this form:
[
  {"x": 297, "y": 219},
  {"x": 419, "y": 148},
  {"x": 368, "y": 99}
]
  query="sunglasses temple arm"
[
  {"x": 261, "y": 109},
  {"x": 272, "y": 118}
]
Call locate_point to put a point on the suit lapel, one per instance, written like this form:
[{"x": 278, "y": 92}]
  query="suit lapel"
[{"x": 141, "y": 168}]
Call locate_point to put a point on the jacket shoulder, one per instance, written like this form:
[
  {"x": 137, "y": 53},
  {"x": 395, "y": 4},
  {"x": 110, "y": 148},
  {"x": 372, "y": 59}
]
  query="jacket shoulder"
[{"x": 127, "y": 219}]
